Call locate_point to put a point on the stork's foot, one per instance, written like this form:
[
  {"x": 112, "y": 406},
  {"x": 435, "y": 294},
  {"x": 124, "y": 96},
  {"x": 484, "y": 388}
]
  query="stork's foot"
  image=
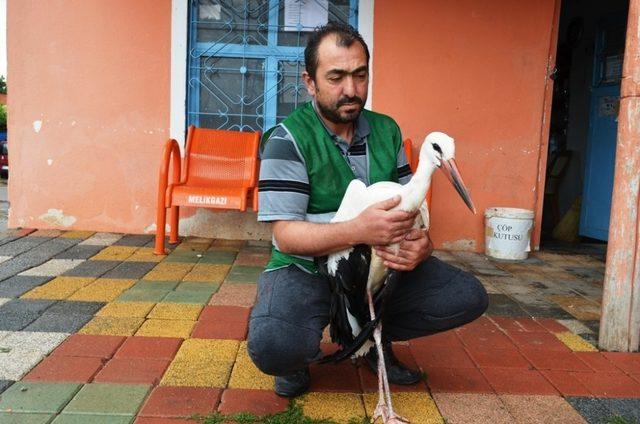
[{"x": 382, "y": 411}]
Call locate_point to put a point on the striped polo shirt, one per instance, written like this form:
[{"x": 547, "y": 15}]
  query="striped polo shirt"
[{"x": 283, "y": 187}]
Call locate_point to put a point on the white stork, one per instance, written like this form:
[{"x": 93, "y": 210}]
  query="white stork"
[{"x": 356, "y": 308}]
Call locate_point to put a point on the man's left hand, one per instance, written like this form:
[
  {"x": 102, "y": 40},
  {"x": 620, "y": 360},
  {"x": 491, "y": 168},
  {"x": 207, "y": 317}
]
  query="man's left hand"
[{"x": 415, "y": 248}]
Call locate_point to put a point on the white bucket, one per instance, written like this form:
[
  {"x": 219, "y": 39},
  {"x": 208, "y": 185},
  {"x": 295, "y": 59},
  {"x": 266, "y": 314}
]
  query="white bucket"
[{"x": 508, "y": 233}]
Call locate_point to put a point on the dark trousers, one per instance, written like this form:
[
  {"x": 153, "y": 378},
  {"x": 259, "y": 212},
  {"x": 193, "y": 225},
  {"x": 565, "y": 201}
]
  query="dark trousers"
[{"x": 292, "y": 309}]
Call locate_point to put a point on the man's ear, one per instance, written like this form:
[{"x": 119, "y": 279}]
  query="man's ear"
[{"x": 309, "y": 83}]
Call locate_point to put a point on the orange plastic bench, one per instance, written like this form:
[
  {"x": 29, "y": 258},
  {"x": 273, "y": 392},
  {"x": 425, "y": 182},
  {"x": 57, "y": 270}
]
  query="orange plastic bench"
[
  {"x": 220, "y": 171},
  {"x": 412, "y": 158}
]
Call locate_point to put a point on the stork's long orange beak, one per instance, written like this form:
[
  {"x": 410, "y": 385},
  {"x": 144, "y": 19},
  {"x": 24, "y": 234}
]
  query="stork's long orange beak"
[{"x": 450, "y": 169}]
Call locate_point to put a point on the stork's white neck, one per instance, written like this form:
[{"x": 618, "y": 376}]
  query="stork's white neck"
[{"x": 416, "y": 189}]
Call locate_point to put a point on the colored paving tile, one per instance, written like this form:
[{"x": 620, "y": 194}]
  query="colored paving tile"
[
  {"x": 609, "y": 385},
  {"x": 108, "y": 399},
  {"x": 18, "y": 313},
  {"x": 126, "y": 309},
  {"x": 22, "y": 418},
  {"x": 77, "y": 234},
  {"x": 596, "y": 410},
  {"x": 470, "y": 408},
  {"x": 340, "y": 407},
  {"x": 15, "y": 364},
  {"x": 541, "y": 409},
  {"x": 134, "y": 240},
  {"x": 197, "y": 373},
  {"x": 207, "y": 273},
  {"x": 92, "y": 268},
  {"x": 505, "y": 358},
  {"x": 544, "y": 359},
  {"x": 225, "y": 314},
  {"x": 166, "y": 328},
  {"x": 37, "y": 397},
  {"x": 250, "y": 258},
  {"x": 456, "y": 380},
  {"x": 21, "y": 341},
  {"x": 517, "y": 381},
  {"x": 145, "y": 254},
  {"x": 112, "y": 326},
  {"x": 19, "y": 284},
  {"x": 155, "y": 285},
  {"x": 53, "y": 267},
  {"x": 198, "y": 297},
  {"x": 566, "y": 383},
  {"x": 79, "y": 251},
  {"x": 89, "y": 346},
  {"x": 441, "y": 356},
  {"x": 133, "y": 270},
  {"x": 101, "y": 239},
  {"x": 185, "y": 256},
  {"x": 149, "y": 347},
  {"x": 218, "y": 257},
  {"x": 186, "y": 285},
  {"x": 578, "y": 306},
  {"x": 418, "y": 408},
  {"x": 58, "y": 288},
  {"x": 246, "y": 375},
  {"x": 4, "y": 385},
  {"x": 114, "y": 253},
  {"x": 65, "y": 368},
  {"x": 575, "y": 342},
  {"x": 102, "y": 290},
  {"x": 132, "y": 371},
  {"x": 58, "y": 322},
  {"x": 627, "y": 362},
  {"x": 213, "y": 350},
  {"x": 91, "y": 418},
  {"x": 142, "y": 295},
  {"x": 166, "y": 271},
  {"x": 235, "y": 295},
  {"x": 175, "y": 311},
  {"x": 257, "y": 402},
  {"x": 167, "y": 401},
  {"x": 220, "y": 330},
  {"x": 244, "y": 274},
  {"x": 342, "y": 377}
]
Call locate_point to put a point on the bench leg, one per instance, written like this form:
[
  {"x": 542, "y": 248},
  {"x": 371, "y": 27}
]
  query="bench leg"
[
  {"x": 161, "y": 219},
  {"x": 174, "y": 216}
]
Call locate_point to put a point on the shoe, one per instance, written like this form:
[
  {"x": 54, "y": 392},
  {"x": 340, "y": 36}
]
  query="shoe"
[
  {"x": 293, "y": 385},
  {"x": 397, "y": 373}
]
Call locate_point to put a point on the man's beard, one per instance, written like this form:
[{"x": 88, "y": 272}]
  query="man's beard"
[{"x": 332, "y": 113}]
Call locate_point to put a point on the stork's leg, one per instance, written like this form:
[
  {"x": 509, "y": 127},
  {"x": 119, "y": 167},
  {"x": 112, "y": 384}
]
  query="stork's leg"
[{"x": 384, "y": 408}]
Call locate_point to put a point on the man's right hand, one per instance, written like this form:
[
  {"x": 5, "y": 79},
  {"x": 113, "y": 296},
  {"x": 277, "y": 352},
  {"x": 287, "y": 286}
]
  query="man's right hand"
[{"x": 378, "y": 225}]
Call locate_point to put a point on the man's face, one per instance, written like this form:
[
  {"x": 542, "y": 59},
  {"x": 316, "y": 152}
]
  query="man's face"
[{"x": 342, "y": 77}]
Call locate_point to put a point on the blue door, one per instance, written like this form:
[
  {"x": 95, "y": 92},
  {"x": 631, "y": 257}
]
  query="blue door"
[{"x": 603, "y": 128}]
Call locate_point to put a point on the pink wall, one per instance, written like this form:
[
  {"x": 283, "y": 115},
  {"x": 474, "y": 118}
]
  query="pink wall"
[
  {"x": 475, "y": 70},
  {"x": 89, "y": 111}
]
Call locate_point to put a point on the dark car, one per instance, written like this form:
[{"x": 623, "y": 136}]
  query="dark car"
[{"x": 4, "y": 158}]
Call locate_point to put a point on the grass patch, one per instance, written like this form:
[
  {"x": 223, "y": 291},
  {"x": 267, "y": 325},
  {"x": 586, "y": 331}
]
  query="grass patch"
[
  {"x": 617, "y": 419},
  {"x": 293, "y": 415}
]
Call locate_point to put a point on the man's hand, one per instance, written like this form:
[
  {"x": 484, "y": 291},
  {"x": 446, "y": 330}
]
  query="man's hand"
[
  {"x": 378, "y": 225},
  {"x": 415, "y": 248}
]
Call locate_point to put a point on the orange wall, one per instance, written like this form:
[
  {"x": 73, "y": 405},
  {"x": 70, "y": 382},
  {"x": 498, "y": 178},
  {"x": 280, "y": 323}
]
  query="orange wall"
[
  {"x": 475, "y": 70},
  {"x": 93, "y": 78}
]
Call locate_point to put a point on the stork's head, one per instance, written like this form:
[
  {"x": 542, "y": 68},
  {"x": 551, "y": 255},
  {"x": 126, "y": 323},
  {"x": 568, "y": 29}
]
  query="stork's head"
[{"x": 440, "y": 150}]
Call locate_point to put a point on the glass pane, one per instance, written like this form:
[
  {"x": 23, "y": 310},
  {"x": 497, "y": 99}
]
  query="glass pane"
[
  {"x": 338, "y": 12},
  {"x": 231, "y": 93},
  {"x": 291, "y": 89},
  {"x": 232, "y": 21}
]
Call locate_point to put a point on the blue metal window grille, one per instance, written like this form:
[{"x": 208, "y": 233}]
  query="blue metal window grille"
[{"x": 244, "y": 65}]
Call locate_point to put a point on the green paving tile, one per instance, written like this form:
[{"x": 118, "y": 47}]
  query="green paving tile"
[
  {"x": 142, "y": 295},
  {"x": 196, "y": 286},
  {"x": 244, "y": 274},
  {"x": 183, "y": 256},
  {"x": 218, "y": 257},
  {"x": 20, "y": 418},
  {"x": 37, "y": 397},
  {"x": 93, "y": 419},
  {"x": 188, "y": 296},
  {"x": 155, "y": 285},
  {"x": 108, "y": 399}
]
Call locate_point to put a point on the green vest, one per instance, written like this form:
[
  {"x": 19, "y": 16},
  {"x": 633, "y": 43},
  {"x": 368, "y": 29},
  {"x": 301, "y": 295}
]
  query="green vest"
[{"x": 328, "y": 171}]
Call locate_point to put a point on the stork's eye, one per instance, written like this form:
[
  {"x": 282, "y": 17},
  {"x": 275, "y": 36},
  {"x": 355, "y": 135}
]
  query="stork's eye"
[{"x": 436, "y": 147}]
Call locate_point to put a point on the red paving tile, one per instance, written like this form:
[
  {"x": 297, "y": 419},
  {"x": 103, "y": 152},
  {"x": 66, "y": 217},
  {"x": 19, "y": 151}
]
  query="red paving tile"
[
  {"x": 551, "y": 324},
  {"x": 65, "y": 368},
  {"x": 504, "y": 358},
  {"x": 220, "y": 313},
  {"x": 482, "y": 323},
  {"x": 441, "y": 356},
  {"x": 516, "y": 381},
  {"x": 457, "y": 380},
  {"x": 545, "y": 341},
  {"x": 597, "y": 362},
  {"x": 88, "y": 345},
  {"x": 342, "y": 377},
  {"x": 149, "y": 347},
  {"x": 609, "y": 385},
  {"x": 150, "y": 420},
  {"x": 518, "y": 325},
  {"x": 627, "y": 362},
  {"x": 132, "y": 371},
  {"x": 448, "y": 338},
  {"x": 369, "y": 382},
  {"x": 484, "y": 339},
  {"x": 543, "y": 359},
  {"x": 168, "y": 401},
  {"x": 220, "y": 330},
  {"x": 258, "y": 402},
  {"x": 566, "y": 383}
]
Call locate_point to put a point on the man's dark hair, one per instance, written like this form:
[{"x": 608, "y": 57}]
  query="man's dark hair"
[{"x": 346, "y": 35}]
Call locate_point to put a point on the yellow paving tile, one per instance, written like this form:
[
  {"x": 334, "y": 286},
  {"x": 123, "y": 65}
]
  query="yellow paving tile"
[
  {"x": 246, "y": 375},
  {"x": 197, "y": 373},
  {"x": 578, "y": 306},
  {"x": 145, "y": 254},
  {"x": 58, "y": 288},
  {"x": 339, "y": 407},
  {"x": 208, "y": 273},
  {"x": 169, "y": 271},
  {"x": 417, "y": 407},
  {"x": 166, "y": 328},
  {"x": 102, "y": 290},
  {"x": 214, "y": 350},
  {"x": 112, "y": 326},
  {"x": 77, "y": 234},
  {"x": 575, "y": 342},
  {"x": 126, "y": 309},
  {"x": 115, "y": 253},
  {"x": 179, "y": 311}
]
